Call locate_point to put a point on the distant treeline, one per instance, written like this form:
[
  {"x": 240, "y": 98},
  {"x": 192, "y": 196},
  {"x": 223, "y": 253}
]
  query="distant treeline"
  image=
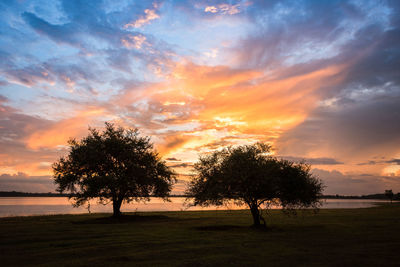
[
  {"x": 24, "y": 194},
  {"x": 50, "y": 194},
  {"x": 373, "y": 196}
]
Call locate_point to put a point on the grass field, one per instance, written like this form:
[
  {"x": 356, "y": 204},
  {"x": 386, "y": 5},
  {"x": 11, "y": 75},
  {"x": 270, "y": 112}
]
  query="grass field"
[{"x": 351, "y": 237}]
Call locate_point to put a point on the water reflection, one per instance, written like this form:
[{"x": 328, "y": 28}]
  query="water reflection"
[{"x": 21, "y": 206}]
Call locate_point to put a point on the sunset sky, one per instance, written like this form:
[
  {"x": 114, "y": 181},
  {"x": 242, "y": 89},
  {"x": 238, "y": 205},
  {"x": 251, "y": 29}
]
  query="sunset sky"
[{"x": 318, "y": 80}]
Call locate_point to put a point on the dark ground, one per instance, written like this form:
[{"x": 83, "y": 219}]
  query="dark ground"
[{"x": 343, "y": 237}]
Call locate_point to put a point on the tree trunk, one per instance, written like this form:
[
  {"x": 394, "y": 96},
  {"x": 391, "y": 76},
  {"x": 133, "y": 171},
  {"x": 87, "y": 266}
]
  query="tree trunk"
[
  {"x": 116, "y": 207},
  {"x": 256, "y": 215}
]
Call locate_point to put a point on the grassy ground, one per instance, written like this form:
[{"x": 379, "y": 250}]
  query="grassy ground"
[{"x": 352, "y": 237}]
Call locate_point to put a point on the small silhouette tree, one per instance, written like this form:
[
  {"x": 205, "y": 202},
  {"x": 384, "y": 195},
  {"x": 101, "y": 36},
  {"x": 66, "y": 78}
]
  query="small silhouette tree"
[
  {"x": 114, "y": 165},
  {"x": 247, "y": 174},
  {"x": 389, "y": 194}
]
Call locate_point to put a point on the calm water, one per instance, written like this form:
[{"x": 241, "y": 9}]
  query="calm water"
[{"x": 22, "y": 206}]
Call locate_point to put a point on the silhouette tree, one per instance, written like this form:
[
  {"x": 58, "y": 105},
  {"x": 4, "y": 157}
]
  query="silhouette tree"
[
  {"x": 113, "y": 165},
  {"x": 247, "y": 174},
  {"x": 389, "y": 194}
]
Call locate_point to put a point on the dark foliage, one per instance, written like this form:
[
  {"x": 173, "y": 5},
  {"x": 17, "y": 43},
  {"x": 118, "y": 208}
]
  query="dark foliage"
[
  {"x": 114, "y": 165},
  {"x": 248, "y": 174}
]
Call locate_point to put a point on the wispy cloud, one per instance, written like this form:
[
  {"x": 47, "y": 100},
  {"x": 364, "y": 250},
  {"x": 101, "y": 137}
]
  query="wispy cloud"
[
  {"x": 313, "y": 161},
  {"x": 134, "y": 41},
  {"x": 374, "y": 162},
  {"x": 225, "y": 9},
  {"x": 149, "y": 15}
]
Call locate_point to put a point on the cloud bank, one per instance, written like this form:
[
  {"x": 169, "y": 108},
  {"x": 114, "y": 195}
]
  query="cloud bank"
[{"x": 318, "y": 80}]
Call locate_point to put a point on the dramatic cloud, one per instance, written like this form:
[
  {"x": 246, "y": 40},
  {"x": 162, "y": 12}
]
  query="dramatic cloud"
[{"x": 318, "y": 80}]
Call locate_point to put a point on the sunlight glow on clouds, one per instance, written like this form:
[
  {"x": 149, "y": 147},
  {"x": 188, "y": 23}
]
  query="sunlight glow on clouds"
[
  {"x": 318, "y": 80},
  {"x": 134, "y": 41},
  {"x": 150, "y": 14},
  {"x": 61, "y": 131},
  {"x": 223, "y": 9}
]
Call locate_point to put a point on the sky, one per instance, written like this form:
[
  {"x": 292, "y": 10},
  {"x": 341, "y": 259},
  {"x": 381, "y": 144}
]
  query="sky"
[{"x": 317, "y": 80}]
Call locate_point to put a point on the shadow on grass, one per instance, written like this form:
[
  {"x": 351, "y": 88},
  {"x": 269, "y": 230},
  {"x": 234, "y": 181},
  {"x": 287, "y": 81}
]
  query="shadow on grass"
[
  {"x": 125, "y": 219},
  {"x": 235, "y": 228},
  {"x": 220, "y": 227}
]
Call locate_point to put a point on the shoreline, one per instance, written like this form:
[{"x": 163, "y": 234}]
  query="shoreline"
[{"x": 130, "y": 213}]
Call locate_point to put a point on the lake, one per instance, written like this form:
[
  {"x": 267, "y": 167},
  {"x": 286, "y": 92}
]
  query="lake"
[{"x": 23, "y": 206}]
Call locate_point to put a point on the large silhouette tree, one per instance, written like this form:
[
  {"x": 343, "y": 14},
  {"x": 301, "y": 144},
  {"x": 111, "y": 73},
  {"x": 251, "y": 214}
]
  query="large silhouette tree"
[
  {"x": 114, "y": 165},
  {"x": 248, "y": 174}
]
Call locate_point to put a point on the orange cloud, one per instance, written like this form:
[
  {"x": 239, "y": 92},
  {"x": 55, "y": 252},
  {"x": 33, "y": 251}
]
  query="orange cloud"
[
  {"x": 269, "y": 103},
  {"x": 246, "y": 96},
  {"x": 171, "y": 143},
  {"x": 223, "y": 102},
  {"x": 60, "y": 132},
  {"x": 198, "y": 80}
]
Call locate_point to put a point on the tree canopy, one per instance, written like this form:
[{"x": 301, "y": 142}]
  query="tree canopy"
[
  {"x": 114, "y": 165},
  {"x": 248, "y": 174}
]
